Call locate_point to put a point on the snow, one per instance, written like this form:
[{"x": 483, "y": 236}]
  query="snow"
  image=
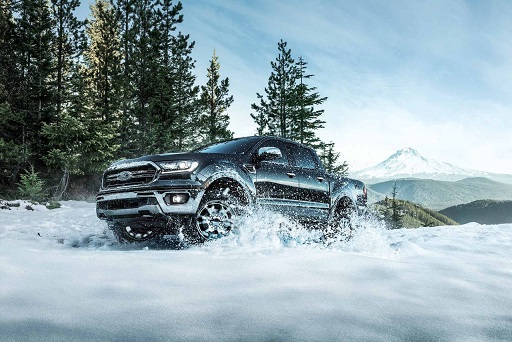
[
  {"x": 64, "y": 278},
  {"x": 409, "y": 163}
]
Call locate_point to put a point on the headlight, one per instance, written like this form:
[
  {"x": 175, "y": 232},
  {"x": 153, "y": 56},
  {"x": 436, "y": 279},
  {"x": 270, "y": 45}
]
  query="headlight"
[{"x": 179, "y": 166}]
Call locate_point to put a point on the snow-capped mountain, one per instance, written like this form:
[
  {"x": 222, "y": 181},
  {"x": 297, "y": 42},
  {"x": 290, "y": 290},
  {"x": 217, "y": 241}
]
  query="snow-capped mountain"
[{"x": 408, "y": 163}]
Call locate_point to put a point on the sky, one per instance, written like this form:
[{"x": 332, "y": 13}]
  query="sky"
[{"x": 432, "y": 75}]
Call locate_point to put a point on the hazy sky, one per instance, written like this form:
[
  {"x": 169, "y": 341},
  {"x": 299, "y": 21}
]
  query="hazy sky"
[{"x": 432, "y": 75}]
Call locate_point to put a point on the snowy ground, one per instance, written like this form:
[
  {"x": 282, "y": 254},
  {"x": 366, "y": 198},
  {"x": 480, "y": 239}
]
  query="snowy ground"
[{"x": 64, "y": 278}]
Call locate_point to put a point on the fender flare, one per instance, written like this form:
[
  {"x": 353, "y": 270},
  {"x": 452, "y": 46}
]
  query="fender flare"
[
  {"x": 344, "y": 188},
  {"x": 224, "y": 170}
]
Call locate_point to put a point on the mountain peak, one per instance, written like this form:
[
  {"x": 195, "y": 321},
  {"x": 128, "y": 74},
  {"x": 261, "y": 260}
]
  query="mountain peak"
[
  {"x": 408, "y": 150},
  {"x": 409, "y": 163}
]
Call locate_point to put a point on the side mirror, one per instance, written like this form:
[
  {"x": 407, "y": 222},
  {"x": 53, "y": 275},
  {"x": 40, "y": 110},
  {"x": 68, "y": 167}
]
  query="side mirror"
[{"x": 269, "y": 153}]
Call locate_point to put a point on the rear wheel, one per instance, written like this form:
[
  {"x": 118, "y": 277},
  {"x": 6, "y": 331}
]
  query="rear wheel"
[{"x": 341, "y": 227}]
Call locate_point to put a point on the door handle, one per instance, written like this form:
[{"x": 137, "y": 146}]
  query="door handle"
[
  {"x": 320, "y": 179},
  {"x": 291, "y": 174}
]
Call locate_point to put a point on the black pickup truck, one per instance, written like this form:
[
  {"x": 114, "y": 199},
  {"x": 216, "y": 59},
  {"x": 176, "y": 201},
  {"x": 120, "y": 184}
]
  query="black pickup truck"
[{"x": 200, "y": 194}]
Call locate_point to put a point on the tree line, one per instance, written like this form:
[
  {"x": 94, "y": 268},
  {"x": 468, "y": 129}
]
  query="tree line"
[{"x": 76, "y": 95}]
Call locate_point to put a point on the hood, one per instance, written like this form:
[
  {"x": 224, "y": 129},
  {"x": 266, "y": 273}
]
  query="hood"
[{"x": 156, "y": 158}]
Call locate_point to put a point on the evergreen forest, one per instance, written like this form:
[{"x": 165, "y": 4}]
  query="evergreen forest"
[{"x": 77, "y": 95}]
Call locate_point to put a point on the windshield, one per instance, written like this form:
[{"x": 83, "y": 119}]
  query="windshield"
[{"x": 237, "y": 146}]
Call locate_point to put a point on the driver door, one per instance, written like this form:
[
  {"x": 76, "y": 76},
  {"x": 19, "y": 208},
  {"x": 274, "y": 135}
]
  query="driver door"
[{"x": 276, "y": 183}]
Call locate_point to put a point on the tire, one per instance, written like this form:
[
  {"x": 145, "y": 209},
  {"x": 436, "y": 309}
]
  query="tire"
[
  {"x": 132, "y": 232},
  {"x": 215, "y": 216},
  {"x": 341, "y": 227}
]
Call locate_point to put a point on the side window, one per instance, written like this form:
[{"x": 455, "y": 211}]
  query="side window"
[
  {"x": 303, "y": 157},
  {"x": 280, "y": 146}
]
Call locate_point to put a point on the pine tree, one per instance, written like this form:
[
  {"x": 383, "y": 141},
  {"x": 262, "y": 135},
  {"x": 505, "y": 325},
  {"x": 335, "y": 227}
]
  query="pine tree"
[
  {"x": 103, "y": 84},
  {"x": 330, "y": 158},
  {"x": 83, "y": 140},
  {"x": 289, "y": 106},
  {"x": 103, "y": 59},
  {"x": 69, "y": 41},
  {"x": 168, "y": 16},
  {"x": 8, "y": 71},
  {"x": 185, "y": 93},
  {"x": 34, "y": 102},
  {"x": 103, "y": 81},
  {"x": 158, "y": 95},
  {"x": 306, "y": 117},
  {"x": 261, "y": 118},
  {"x": 145, "y": 64},
  {"x": 31, "y": 186},
  {"x": 66, "y": 130},
  {"x": 11, "y": 147},
  {"x": 215, "y": 100},
  {"x": 274, "y": 114},
  {"x": 396, "y": 214},
  {"x": 125, "y": 16},
  {"x": 167, "y": 121}
]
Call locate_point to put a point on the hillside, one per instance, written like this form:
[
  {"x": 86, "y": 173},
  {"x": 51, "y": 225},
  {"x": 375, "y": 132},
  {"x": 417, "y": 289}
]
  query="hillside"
[
  {"x": 482, "y": 211},
  {"x": 414, "y": 215},
  {"x": 443, "y": 194}
]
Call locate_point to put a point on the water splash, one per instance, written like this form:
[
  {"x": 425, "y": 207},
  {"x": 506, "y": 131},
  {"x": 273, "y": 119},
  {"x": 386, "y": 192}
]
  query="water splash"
[
  {"x": 369, "y": 237},
  {"x": 262, "y": 232}
]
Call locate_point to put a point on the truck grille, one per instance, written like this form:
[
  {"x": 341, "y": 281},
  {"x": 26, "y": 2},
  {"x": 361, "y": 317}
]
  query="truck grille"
[{"x": 129, "y": 176}]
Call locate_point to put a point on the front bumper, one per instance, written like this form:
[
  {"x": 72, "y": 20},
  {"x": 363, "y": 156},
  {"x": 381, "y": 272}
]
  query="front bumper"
[{"x": 146, "y": 204}]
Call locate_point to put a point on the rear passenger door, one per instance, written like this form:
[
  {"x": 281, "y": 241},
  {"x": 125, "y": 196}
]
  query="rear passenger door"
[{"x": 313, "y": 196}]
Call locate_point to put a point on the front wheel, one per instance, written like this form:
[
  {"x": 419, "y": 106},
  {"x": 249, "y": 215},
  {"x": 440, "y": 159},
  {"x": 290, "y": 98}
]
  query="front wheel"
[
  {"x": 215, "y": 216},
  {"x": 133, "y": 232}
]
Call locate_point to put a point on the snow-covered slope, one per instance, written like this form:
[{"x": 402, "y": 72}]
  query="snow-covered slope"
[
  {"x": 408, "y": 163},
  {"x": 64, "y": 278}
]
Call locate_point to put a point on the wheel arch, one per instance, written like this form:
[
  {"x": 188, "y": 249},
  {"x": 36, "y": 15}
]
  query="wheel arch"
[
  {"x": 236, "y": 188},
  {"x": 231, "y": 175},
  {"x": 343, "y": 201}
]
